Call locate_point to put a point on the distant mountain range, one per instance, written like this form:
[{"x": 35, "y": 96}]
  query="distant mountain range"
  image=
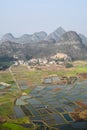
[
  {"x": 42, "y": 45},
  {"x": 84, "y": 39},
  {"x": 26, "y": 38},
  {"x": 55, "y": 36}
]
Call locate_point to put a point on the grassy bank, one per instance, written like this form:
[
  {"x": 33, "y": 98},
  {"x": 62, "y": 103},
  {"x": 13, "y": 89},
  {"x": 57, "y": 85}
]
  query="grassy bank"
[{"x": 10, "y": 126}]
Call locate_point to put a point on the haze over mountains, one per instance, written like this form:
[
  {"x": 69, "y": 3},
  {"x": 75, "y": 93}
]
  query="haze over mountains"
[
  {"x": 26, "y": 38},
  {"x": 42, "y": 45},
  {"x": 55, "y": 36}
]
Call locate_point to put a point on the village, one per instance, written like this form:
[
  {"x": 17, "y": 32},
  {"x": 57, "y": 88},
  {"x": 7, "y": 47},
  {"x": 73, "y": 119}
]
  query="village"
[{"x": 61, "y": 59}]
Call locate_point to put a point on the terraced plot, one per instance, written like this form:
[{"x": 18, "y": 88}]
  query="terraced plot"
[
  {"x": 53, "y": 105},
  {"x": 55, "y": 108}
]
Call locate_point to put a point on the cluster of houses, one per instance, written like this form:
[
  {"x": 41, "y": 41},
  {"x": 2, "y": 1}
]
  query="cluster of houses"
[
  {"x": 39, "y": 62},
  {"x": 59, "y": 58}
]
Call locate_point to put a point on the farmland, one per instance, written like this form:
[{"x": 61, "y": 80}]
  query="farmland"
[{"x": 54, "y": 104}]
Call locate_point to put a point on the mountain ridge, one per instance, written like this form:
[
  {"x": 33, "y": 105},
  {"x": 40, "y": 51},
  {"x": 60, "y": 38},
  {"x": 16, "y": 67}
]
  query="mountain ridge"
[
  {"x": 25, "y": 38},
  {"x": 55, "y": 36},
  {"x": 69, "y": 43}
]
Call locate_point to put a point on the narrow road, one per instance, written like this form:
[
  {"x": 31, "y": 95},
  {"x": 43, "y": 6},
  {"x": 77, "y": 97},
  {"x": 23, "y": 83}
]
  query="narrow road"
[{"x": 10, "y": 70}]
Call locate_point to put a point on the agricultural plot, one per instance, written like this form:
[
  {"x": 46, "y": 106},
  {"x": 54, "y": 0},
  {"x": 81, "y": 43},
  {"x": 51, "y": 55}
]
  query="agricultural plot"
[
  {"x": 20, "y": 74},
  {"x": 19, "y": 112},
  {"x": 54, "y": 108},
  {"x": 7, "y": 93},
  {"x": 50, "y": 103}
]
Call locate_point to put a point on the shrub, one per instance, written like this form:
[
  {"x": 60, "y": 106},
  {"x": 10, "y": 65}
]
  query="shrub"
[{"x": 68, "y": 65}]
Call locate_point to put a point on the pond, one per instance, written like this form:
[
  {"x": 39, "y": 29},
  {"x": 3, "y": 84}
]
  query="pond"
[
  {"x": 18, "y": 112},
  {"x": 20, "y": 102},
  {"x": 2, "y": 87},
  {"x": 24, "y": 86},
  {"x": 79, "y": 125},
  {"x": 67, "y": 117},
  {"x": 53, "y": 107}
]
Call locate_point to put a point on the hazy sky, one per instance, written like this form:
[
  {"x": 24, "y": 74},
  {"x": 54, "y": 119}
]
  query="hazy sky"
[{"x": 29, "y": 16}]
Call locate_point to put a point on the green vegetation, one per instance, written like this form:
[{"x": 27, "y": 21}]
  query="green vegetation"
[
  {"x": 68, "y": 65},
  {"x": 16, "y": 124},
  {"x": 10, "y": 126},
  {"x": 9, "y": 95},
  {"x": 27, "y": 91},
  {"x": 5, "y": 76},
  {"x": 31, "y": 78},
  {"x": 6, "y": 108},
  {"x": 5, "y": 62},
  {"x": 35, "y": 76},
  {"x": 76, "y": 70},
  {"x": 24, "y": 120}
]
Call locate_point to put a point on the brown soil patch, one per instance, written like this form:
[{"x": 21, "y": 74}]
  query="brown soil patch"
[
  {"x": 83, "y": 75},
  {"x": 83, "y": 115},
  {"x": 79, "y": 114},
  {"x": 2, "y": 119},
  {"x": 82, "y": 105},
  {"x": 56, "y": 89}
]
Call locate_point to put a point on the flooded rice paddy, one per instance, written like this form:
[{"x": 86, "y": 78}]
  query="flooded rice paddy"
[{"x": 53, "y": 104}]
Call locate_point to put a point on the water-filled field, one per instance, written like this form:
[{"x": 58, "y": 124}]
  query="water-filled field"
[
  {"x": 54, "y": 104},
  {"x": 2, "y": 87}
]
